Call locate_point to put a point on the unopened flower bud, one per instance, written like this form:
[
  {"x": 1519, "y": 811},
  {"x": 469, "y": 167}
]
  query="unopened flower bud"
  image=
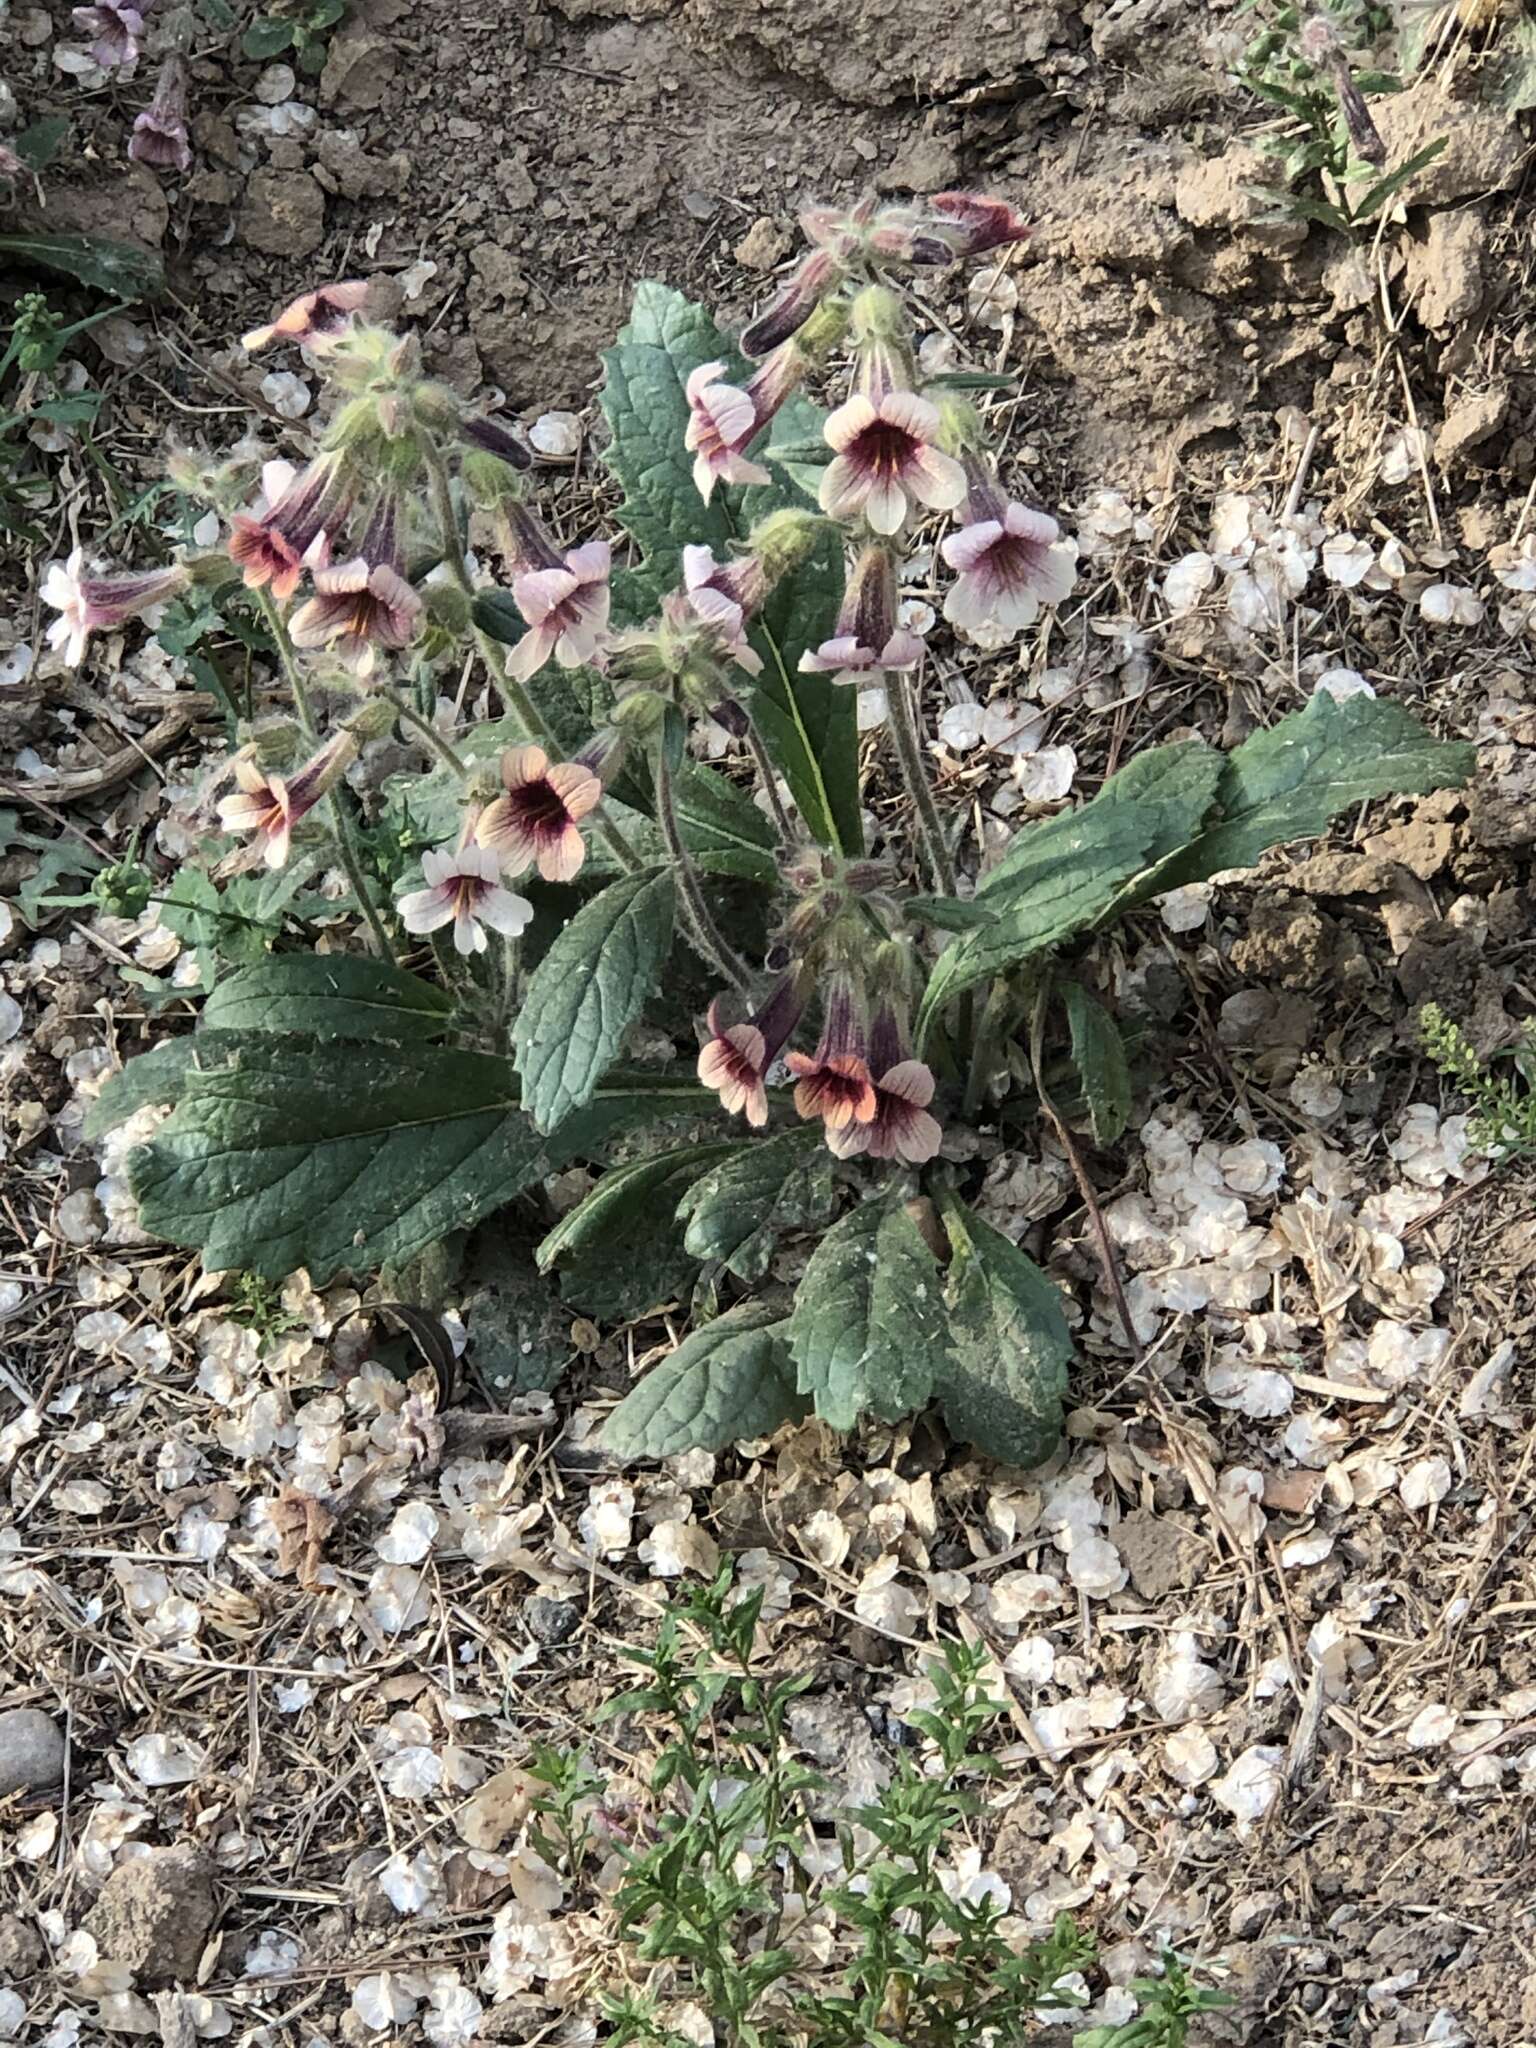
[
  {"x": 639, "y": 712},
  {"x": 275, "y": 743},
  {"x": 124, "y": 889},
  {"x": 448, "y": 607},
  {"x": 960, "y": 429},
  {"x": 604, "y": 754},
  {"x": 877, "y": 312},
  {"x": 489, "y": 483},
  {"x": 825, "y": 329},
  {"x": 782, "y": 541},
  {"x": 490, "y": 437},
  {"x": 373, "y": 719},
  {"x": 436, "y": 407}
]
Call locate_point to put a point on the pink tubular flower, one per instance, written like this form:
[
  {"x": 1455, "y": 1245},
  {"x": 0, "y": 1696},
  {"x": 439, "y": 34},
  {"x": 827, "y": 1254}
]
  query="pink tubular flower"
[
  {"x": 884, "y": 455},
  {"x": 290, "y": 528},
  {"x": 819, "y": 274},
  {"x": 538, "y": 815},
  {"x": 723, "y": 595},
  {"x": 721, "y": 421},
  {"x": 116, "y": 27},
  {"x": 159, "y": 136},
  {"x": 868, "y": 639},
  {"x": 737, "y": 1056},
  {"x": 959, "y": 224},
  {"x": 98, "y": 604},
  {"x": 1009, "y": 560},
  {"x": 464, "y": 890},
  {"x": 314, "y": 320},
  {"x": 271, "y": 805},
  {"x": 834, "y": 1082},
  {"x": 363, "y": 605},
  {"x": 901, "y": 1127},
  {"x": 566, "y": 606}
]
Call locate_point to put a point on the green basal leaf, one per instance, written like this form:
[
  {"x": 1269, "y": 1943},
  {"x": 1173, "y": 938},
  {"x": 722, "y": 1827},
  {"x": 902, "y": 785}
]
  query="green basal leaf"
[
  {"x": 868, "y": 1328},
  {"x": 1098, "y": 1053},
  {"x": 1058, "y": 878},
  {"x": 621, "y": 1251},
  {"x": 1289, "y": 782},
  {"x": 808, "y": 723},
  {"x": 266, "y": 36},
  {"x": 121, "y": 269},
  {"x": 736, "y": 1211},
  {"x": 729, "y": 1380},
  {"x": 587, "y": 991},
  {"x": 339, "y": 995},
  {"x": 342, "y": 1158},
  {"x": 1006, "y": 1378},
  {"x": 156, "y": 1076}
]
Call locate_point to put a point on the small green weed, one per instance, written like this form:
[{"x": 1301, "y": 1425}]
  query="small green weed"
[
  {"x": 1503, "y": 1118},
  {"x": 301, "y": 27}
]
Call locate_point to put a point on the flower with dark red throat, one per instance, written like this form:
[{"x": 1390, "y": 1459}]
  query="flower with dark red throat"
[
  {"x": 464, "y": 890},
  {"x": 1010, "y": 559},
  {"x": 116, "y": 27},
  {"x": 834, "y": 1081},
  {"x": 736, "y": 1057},
  {"x": 289, "y": 529},
  {"x": 365, "y": 605},
  {"x": 315, "y": 320},
  {"x": 99, "y": 604},
  {"x": 537, "y": 817},
  {"x": 271, "y": 805},
  {"x": 159, "y": 136},
  {"x": 721, "y": 421},
  {"x": 885, "y": 458},
  {"x": 902, "y": 1126},
  {"x": 565, "y": 604},
  {"x": 869, "y": 640}
]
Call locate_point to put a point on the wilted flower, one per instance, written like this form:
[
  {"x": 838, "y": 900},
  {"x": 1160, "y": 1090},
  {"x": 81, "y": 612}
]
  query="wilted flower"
[
  {"x": 954, "y": 225},
  {"x": 314, "y": 320},
  {"x": 868, "y": 638},
  {"x": 271, "y": 805},
  {"x": 884, "y": 455},
  {"x": 116, "y": 27},
  {"x": 1011, "y": 560},
  {"x": 721, "y": 421},
  {"x": 724, "y": 595},
  {"x": 464, "y": 890},
  {"x": 365, "y": 604},
  {"x": 159, "y": 136},
  {"x": 289, "y": 529},
  {"x": 788, "y": 313},
  {"x": 537, "y": 816},
  {"x": 737, "y": 1056},
  {"x": 901, "y": 1127},
  {"x": 97, "y": 604},
  {"x": 834, "y": 1081},
  {"x": 565, "y": 603}
]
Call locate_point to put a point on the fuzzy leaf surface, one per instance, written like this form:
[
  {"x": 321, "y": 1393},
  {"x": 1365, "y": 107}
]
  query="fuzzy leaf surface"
[
  {"x": 336, "y": 995},
  {"x": 1010, "y": 1348},
  {"x": 736, "y": 1211},
  {"x": 1098, "y": 1053},
  {"x": 336, "y": 1157},
  {"x": 621, "y": 1250},
  {"x": 587, "y": 991},
  {"x": 1290, "y": 781},
  {"x": 868, "y": 1328},
  {"x": 731, "y": 1379}
]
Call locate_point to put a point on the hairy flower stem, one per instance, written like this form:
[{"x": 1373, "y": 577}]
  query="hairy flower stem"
[
  {"x": 764, "y": 765},
  {"x": 512, "y": 691},
  {"x": 703, "y": 932},
  {"x": 409, "y": 715},
  {"x": 334, "y": 805},
  {"x": 901, "y": 696}
]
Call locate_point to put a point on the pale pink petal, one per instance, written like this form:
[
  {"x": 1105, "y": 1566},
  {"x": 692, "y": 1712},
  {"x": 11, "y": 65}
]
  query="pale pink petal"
[
  {"x": 701, "y": 379},
  {"x": 591, "y": 562},
  {"x": 538, "y": 592},
  {"x": 504, "y": 912},
  {"x": 523, "y": 764},
  {"x": 885, "y": 507},
  {"x": 560, "y": 861},
  {"x": 850, "y": 1140},
  {"x": 963, "y": 550},
  {"x": 532, "y": 651},
  {"x": 906, "y": 410},
  {"x": 902, "y": 650},
  {"x": 577, "y": 787},
  {"x": 426, "y": 910},
  {"x": 242, "y": 813},
  {"x": 844, "y": 652},
  {"x": 727, "y": 411},
  {"x": 911, "y": 1081},
  {"x": 968, "y": 604},
  {"x": 937, "y": 479},
  {"x": 1057, "y": 578},
  {"x": 844, "y": 426},
  {"x": 467, "y": 934},
  {"x": 499, "y": 830},
  {"x": 704, "y": 478},
  {"x": 698, "y": 566},
  {"x": 842, "y": 488}
]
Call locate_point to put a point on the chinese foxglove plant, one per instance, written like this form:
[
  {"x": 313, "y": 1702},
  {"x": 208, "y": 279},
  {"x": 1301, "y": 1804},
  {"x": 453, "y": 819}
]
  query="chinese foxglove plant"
[{"x": 857, "y": 1013}]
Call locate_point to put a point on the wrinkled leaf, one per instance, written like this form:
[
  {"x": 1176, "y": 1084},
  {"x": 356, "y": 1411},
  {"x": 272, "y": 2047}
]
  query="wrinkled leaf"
[
  {"x": 1004, "y": 1384},
  {"x": 621, "y": 1251},
  {"x": 335, "y": 995},
  {"x": 336, "y": 1157},
  {"x": 729, "y": 1380},
  {"x": 121, "y": 269},
  {"x": 587, "y": 991},
  {"x": 1289, "y": 782},
  {"x": 155, "y": 1076},
  {"x": 1098, "y": 1053},
  {"x": 736, "y": 1211},
  {"x": 868, "y": 1328}
]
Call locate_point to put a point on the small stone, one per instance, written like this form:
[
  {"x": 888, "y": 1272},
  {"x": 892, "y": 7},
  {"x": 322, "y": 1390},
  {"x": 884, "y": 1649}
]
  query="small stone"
[
  {"x": 283, "y": 213},
  {"x": 80, "y": 1218},
  {"x": 1161, "y": 1556},
  {"x": 764, "y": 244},
  {"x": 1470, "y": 422},
  {"x": 154, "y": 1914},
  {"x": 1483, "y": 150},
  {"x": 1443, "y": 274},
  {"x": 31, "y": 1751},
  {"x": 551, "y": 1621},
  {"x": 927, "y": 165},
  {"x": 20, "y": 1948}
]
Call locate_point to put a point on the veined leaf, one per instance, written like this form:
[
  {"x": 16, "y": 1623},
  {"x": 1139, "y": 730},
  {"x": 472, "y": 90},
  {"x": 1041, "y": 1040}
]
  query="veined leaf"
[
  {"x": 736, "y": 1211},
  {"x": 621, "y": 1250},
  {"x": 1004, "y": 1385},
  {"x": 868, "y": 1328},
  {"x": 335, "y": 1157},
  {"x": 335, "y": 995},
  {"x": 1289, "y": 782},
  {"x": 729, "y": 1380},
  {"x": 1098, "y": 1053},
  {"x": 808, "y": 723},
  {"x": 587, "y": 991},
  {"x": 156, "y": 1076},
  {"x": 122, "y": 269}
]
